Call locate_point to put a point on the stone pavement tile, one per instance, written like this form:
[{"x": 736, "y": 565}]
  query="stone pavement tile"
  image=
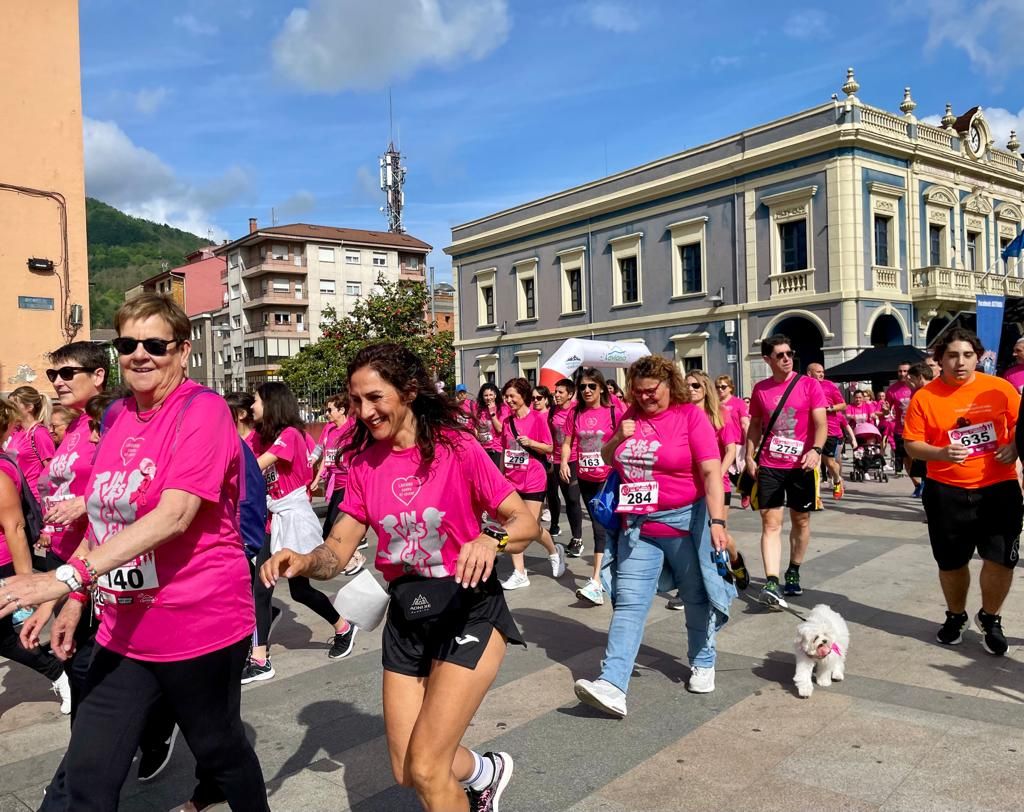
[
  {"x": 34, "y": 738},
  {"x": 9, "y": 803},
  {"x": 310, "y": 791},
  {"x": 777, "y": 718}
]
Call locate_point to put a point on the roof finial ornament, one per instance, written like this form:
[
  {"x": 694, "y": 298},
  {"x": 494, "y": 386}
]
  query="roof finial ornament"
[
  {"x": 908, "y": 104},
  {"x": 851, "y": 86},
  {"x": 948, "y": 119},
  {"x": 1013, "y": 144}
]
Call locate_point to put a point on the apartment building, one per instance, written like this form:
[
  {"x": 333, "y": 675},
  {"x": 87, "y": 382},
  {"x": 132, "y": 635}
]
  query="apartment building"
[
  {"x": 281, "y": 279},
  {"x": 844, "y": 226},
  {"x": 43, "y": 257}
]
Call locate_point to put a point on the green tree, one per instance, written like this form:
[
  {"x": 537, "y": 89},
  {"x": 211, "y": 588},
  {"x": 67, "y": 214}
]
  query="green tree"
[{"x": 393, "y": 311}]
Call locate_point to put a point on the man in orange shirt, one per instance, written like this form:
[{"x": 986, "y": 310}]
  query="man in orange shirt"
[{"x": 962, "y": 424}]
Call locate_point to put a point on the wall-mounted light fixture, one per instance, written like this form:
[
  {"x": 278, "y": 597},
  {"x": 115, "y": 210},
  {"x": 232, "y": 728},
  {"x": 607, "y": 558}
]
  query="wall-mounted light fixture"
[
  {"x": 717, "y": 299},
  {"x": 501, "y": 329},
  {"x": 40, "y": 265}
]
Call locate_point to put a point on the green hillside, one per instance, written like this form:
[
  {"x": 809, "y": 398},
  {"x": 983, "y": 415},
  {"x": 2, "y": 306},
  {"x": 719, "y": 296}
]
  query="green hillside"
[{"x": 124, "y": 250}]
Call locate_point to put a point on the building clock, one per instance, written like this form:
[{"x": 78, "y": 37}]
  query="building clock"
[{"x": 977, "y": 137}]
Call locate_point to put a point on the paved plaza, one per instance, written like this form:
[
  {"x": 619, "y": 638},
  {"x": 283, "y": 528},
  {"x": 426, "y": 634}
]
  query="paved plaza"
[{"x": 914, "y": 727}]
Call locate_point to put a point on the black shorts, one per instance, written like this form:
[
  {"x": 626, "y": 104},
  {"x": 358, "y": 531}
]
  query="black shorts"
[
  {"x": 533, "y": 496},
  {"x": 459, "y": 636},
  {"x": 962, "y": 520},
  {"x": 794, "y": 487},
  {"x": 728, "y": 498},
  {"x": 898, "y": 449},
  {"x": 833, "y": 447},
  {"x": 918, "y": 469}
]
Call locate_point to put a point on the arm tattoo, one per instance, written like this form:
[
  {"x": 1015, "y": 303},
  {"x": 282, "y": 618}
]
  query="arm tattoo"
[{"x": 325, "y": 564}]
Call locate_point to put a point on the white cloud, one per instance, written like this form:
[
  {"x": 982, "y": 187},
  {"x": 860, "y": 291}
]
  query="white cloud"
[
  {"x": 302, "y": 202},
  {"x": 806, "y": 24},
  {"x": 987, "y": 31},
  {"x": 135, "y": 180},
  {"x": 614, "y": 17},
  {"x": 149, "y": 100},
  {"x": 194, "y": 25},
  {"x": 357, "y": 45},
  {"x": 1000, "y": 121}
]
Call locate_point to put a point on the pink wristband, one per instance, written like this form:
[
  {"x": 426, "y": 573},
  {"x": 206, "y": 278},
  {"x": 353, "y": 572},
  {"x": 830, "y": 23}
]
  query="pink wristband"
[
  {"x": 83, "y": 570},
  {"x": 81, "y": 597}
]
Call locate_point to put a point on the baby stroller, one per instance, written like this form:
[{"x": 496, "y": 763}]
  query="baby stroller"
[{"x": 868, "y": 456}]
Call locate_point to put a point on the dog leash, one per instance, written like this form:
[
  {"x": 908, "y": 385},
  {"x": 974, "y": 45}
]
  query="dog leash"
[{"x": 792, "y": 611}]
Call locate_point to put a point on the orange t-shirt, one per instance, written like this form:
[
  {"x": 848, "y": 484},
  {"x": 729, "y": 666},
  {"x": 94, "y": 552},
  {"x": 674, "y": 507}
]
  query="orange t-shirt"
[{"x": 980, "y": 415}]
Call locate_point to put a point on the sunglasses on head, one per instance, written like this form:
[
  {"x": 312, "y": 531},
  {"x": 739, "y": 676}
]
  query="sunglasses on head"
[
  {"x": 590, "y": 386},
  {"x": 65, "y": 373},
  {"x": 125, "y": 345},
  {"x": 783, "y": 354}
]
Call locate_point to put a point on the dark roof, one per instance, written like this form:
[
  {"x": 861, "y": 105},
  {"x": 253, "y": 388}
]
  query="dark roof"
[
  {"x": 352, "y": 236},
  {"x": 876, "y": 361},
  {"x": 964, "y": 122}
]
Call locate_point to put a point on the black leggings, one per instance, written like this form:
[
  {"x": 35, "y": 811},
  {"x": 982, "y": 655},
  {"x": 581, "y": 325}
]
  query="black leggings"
[
  {"x": 11, "y": 648},
  {"x": 333, "y": 511},
  {"x": 588, "y": 490},
  {"x": 204, "y": 694},
  {"x": 301, "y": 591},
  {"x": 571, "y": 493}
]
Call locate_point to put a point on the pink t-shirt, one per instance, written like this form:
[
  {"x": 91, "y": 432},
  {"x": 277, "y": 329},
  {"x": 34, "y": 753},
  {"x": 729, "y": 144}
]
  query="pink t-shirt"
[
  {"x": 1015, "y": 375},
  {"x": 898, "y": 397},
  {"x": 729, "y": 433},
  {"x": 735, "y": 409},
  {"x": 524, "y": 470},
  {"x": 485, "y": 433},
  {"x": 832, "y": 397},
  {"x": 251, "y": 440},
  {"x": 291, "y": 471},
  {"x": 561, "y": 423},
  {"x": 792, "y": 436},
  {"x": 335, "y": 463},
  {"x": 192, "y": 594},
  {"x": 591, "y": 429},
  {"x": 422, "y": 515},
  {"x": 66, "y": 478},
  {"x": 467, "y": 412},
  {"x": 10, "y": 470},
  {"x": 668, "y": 448},
  {"x": 860, "y": 414},
  {"x": 32, "y": 450}
]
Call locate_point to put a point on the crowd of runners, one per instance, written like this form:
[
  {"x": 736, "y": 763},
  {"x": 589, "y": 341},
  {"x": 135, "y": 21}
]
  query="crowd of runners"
[{"x": 143, "y": 531}]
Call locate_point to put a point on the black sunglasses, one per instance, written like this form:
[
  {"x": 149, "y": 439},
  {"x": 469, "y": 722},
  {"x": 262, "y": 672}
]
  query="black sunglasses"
[
  {"x": 539, "y": 397},
  {"x": 696, "y": 386},
  {"x": 126, "y": 345},
  {"x": 65, "y": 373},
  {"x": 783, "y": 354},
  {"x": 590, "y": 386}
]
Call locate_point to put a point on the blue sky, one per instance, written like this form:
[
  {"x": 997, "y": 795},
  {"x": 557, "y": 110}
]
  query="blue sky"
[{"x": 203, "y": 113}]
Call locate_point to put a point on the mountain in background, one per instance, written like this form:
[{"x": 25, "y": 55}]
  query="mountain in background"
[{"x": 125, "y": 250}]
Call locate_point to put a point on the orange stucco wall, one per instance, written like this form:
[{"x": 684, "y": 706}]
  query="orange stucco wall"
[{"x": 40, "y": 148}]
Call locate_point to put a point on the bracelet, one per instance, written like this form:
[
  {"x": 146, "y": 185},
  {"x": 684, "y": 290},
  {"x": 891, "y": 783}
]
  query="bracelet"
[
  {"x": 719, "y": 522},
  {"x": 81, "y": 597},
  {"x": 500, "y": 537},
  {"x": 90, "y": 576}
]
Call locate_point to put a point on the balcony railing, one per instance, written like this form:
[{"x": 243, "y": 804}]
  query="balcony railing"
[
  {"x": 278, "y": 330},
  {"x": 792, "y": 283},
  {"x": 275, "y": 299},
  {"x": 881, "y": 120},
  {"x": 885, "y": 278},
  {"x": 938, "y": 282},
  {"x": 265, "y": 266}
]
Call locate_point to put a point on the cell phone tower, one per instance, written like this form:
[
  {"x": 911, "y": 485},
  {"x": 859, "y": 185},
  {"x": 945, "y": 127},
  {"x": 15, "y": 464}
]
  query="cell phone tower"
[{"x": 392, "y": 178}]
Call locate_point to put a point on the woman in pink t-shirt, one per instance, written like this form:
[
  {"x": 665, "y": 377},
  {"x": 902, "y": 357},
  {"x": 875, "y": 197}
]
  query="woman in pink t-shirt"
[
  {"x": 283, "y": 454},
  {"x": 736, "y": 409},
  {"x": 241, "y": 404},
  {"x": 32, "y": 446},
  {"x": 673, "y": 514},
  {"x": 167, "y": 556},
  {"x": 564, "y": 479},
  {"x": 596, "y": 416},
  {"x": 422, "y": 483},
  {"x": 526, "y": 443},
  {"x": 490, "y": 418}
]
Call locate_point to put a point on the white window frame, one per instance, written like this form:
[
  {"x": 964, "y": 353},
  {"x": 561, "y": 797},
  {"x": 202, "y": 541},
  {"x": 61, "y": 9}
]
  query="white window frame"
[
  {"x": 486, "y": 278},
  {"x": 690, "y": 345},
  {"x": 354, "y": 289},
  {"x": 688, "y": 232},
  {"x": 280, "y": 286},
  {"x": 487, "y": 363},
  {"x": 353, "y": 256},
  {"x": 1008, "y": 224},
  {"x": 885, "y": 202},
  {"x": 528, "y": 360},
  {"x": 325, "y": 254},
  {"x": 789, "y": 207},
  {"x": 526, "y": 269},
  {"x": 939, "y": 203},
  {"x": 628, "y": 245},
  {"x": 328, "y": 287},
  {"x": 279, "y": 252},
  {"x": 975, "y": 224},
  {"x": 573, "y": 259},
  {"x": 380, "y": 259}
]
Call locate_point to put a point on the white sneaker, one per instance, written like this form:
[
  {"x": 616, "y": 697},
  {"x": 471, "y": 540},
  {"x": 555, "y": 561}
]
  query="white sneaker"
[
  {"x": 545, "y": 515},
  {"x": 517, "y": 580},
  {"x": 558, "y": 561},
  {"x": 355, "y": 564},
  {"x": 702, "y": 680},
  {"x": 591, "y": 591},
  {"x": 602, "y": 695},
  {"x": 674, "y": 603},
  {"x": 62, "y": 688}
]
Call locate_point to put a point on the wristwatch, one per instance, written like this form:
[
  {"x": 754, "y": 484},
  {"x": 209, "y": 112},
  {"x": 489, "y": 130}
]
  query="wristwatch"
[
  {"x": 816, "y": 448},
  {"x": 499, "y": 536},
  {"x": 68, "y": 576}
]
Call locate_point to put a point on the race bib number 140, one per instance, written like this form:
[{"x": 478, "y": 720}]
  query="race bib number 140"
[{"x": 135, "y": 576}]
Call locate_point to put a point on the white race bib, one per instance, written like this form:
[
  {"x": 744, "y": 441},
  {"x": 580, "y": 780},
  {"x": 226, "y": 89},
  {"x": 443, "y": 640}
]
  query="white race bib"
[
  {"x": 979, "y": 438},
  {"x": 330, "y": 457},
  {"x": 515, "y": 458},
  {"x": 270, "y": 475},
  {"x": 136, "y": 576},
  {"x": 591, "y": 461},
  {"x": 785, "y": 447},
  {"x": 638, "y": 497}
]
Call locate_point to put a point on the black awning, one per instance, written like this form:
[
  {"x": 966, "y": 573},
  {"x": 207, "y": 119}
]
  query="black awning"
[{"x": 874, "y": 362}]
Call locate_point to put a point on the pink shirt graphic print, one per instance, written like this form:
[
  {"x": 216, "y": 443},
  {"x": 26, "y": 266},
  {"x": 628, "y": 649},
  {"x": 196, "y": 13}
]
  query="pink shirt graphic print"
[{"x": 66, "y": 478}]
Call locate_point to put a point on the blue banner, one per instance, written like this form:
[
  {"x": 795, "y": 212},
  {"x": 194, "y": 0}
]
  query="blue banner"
[{"x": 990, "y": 328}]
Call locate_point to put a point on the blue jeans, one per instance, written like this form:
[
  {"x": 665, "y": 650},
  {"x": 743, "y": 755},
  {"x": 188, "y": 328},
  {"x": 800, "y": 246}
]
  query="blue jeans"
[{"x": 637, "y": 571}]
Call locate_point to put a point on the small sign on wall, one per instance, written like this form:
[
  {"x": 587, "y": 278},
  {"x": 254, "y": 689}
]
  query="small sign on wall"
[{"x": 35, "y": 303}]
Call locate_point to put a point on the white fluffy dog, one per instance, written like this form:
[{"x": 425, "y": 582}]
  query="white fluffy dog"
[{"x": 821, "y": 647}]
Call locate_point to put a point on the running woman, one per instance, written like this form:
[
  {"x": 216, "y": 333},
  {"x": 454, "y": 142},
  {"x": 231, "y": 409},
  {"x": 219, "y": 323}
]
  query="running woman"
[
  {"x": 788, "y": 470},
  {"x": 564, "y": 473},
  {"x": 31, "y": 445},
  {"x": 597, "y": 414},
  {"x": 526, "y": 441},
  {"x": 490, "y": 417},
  {"x": 962, "y": 425},
  {"x": 421, "y": 482}
]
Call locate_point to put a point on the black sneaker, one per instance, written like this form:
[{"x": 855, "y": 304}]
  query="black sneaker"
[
  {"x": 574, "y": 549},
  {"x": 154, "y": 759},
  {"x": 739, "y": 572},
  {"x": 255, "y": 671},
  {"x": 952, "y": 631},
  {"x": 792, "y": 587},
  {"x": 341, "y": 646},
  {"x": 555, "y": 531},
  {"x": 991, "y": 626},
  {"x": 771, "y": 597},
  {"x": 487, "y": 800}
]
